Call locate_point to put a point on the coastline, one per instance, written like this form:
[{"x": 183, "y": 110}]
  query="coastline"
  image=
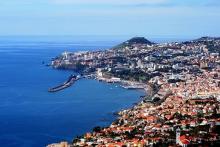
[
  {"x": 148, "y": 89},
  {"x": 114, "y": 113},
  {"x": 168, "y": 99},
  {"x": 175, "y": 81},
  {"x": 147, "y": 98}
]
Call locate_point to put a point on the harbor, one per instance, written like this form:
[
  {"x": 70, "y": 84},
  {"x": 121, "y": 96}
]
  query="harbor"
[{"x": 123, "y": 83}]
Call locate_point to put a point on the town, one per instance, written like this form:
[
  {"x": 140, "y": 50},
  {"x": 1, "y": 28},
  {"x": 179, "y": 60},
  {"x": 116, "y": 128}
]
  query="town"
[{"x": 182, "y": 82}]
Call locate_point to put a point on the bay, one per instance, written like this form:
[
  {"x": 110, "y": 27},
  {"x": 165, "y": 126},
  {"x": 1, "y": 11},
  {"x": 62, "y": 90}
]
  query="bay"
[{"x": 29, "y": 115}]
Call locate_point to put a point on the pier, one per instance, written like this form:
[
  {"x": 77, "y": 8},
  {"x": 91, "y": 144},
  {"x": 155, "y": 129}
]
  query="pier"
[{"x": 71, "y": 80}]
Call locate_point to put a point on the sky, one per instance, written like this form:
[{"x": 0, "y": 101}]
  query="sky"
[{"x": 153, "y": 18}]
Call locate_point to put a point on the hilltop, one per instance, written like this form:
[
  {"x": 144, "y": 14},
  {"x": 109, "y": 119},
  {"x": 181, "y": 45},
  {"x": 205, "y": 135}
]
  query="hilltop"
[{"x": 134, "y": 41}]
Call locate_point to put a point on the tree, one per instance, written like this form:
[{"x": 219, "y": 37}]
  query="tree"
[{"x": 97, "y": 129}]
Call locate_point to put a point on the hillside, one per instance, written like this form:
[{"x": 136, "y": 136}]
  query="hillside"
[{"x": 134, "y": 41}]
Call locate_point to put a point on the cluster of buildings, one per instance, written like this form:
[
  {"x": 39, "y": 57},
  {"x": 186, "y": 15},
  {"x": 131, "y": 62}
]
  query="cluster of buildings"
[{"x": 183, "y": 111}]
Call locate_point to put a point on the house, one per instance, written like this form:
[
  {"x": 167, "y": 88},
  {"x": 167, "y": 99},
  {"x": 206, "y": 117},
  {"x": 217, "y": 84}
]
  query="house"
[{"x": 184, "y": 141}]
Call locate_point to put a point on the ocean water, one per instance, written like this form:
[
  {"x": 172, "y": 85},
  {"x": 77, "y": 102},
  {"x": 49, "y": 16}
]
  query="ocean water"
[{"x": 32, "y": 117}]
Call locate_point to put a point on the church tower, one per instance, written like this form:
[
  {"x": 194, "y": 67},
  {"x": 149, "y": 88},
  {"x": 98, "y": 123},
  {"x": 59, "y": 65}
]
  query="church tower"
[{"x": 177, "y": 135}]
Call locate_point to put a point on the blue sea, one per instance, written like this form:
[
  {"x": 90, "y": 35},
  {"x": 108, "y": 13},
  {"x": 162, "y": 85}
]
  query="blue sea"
[{"x": 32, "y": 117}]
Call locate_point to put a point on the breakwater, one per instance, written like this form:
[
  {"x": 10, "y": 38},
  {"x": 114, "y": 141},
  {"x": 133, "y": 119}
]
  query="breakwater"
[{"x": 71, "y": 80}]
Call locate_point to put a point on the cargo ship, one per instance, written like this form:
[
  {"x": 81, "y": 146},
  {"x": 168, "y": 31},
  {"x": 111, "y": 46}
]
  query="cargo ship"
[{"x": 71, "y": 80}]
